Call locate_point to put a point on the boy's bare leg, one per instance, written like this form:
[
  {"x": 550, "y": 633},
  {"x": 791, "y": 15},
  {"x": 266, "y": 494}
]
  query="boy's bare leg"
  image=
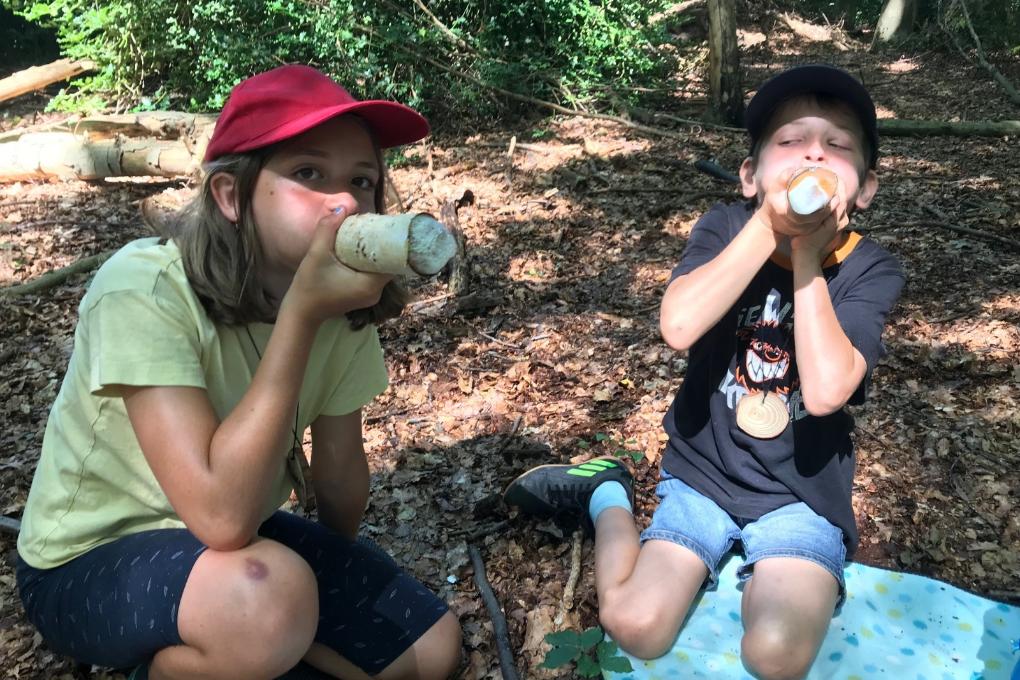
[
  {"x": 786, "y": 609},
  {"x": 644, "y": 592}
]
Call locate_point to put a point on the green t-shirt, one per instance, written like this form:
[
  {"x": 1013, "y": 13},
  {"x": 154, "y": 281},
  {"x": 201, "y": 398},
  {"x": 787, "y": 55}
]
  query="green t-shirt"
[{"x": 140, "y": 323}]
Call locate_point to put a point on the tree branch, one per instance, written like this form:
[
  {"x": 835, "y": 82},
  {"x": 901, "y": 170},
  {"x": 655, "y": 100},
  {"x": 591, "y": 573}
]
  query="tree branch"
[
  {"x": 56, "y": 277},
  {"x": 499, "y": 629}
]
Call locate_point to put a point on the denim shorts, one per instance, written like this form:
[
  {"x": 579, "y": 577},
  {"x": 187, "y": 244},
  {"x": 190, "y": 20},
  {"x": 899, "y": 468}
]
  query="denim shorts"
[{"x": 689, "y": 519}]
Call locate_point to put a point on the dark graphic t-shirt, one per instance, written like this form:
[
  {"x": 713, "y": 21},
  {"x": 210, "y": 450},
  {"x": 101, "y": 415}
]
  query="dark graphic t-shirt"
[{"x": 751, "y": 351}]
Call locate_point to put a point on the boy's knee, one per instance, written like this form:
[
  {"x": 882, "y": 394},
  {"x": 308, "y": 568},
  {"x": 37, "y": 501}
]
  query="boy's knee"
[
  {"x": 770, "y": 654},
  {"x": 637, "y": 630}
]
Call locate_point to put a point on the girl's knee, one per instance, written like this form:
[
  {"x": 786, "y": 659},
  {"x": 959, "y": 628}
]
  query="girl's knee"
[
  {"x": 439, "y": 649},
  {"x": 261, "y": 601}
]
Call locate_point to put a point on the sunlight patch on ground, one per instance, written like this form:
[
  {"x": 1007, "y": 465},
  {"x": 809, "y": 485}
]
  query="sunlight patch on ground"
[{"x": 902, "y": 65}]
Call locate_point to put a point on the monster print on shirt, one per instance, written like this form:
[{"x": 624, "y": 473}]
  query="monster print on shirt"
[{"x": 765, "y": 357}]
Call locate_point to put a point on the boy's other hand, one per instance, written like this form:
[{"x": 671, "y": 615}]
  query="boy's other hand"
[
  {"x": 822, "y": 240},
  {"x": 775, "y": 210}
]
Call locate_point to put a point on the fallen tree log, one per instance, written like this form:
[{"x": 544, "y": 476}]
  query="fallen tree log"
[
  {"x": 172, "y": 143},
  {"x": 64, "y": 155},
  {"x": 195, "y": 127},
  {"x": 931, "y": 128},
  {"x": 38, "y": 77}
]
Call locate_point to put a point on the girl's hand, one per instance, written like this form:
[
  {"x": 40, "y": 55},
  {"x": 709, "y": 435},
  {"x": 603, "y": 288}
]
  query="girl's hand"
[{"x": 323, "y": 288}]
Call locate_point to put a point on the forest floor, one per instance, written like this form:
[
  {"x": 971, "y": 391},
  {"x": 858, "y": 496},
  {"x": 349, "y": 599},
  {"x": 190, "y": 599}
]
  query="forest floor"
[{"x": 553, "y": 353}]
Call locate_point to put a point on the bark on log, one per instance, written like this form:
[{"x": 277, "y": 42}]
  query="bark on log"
[
  {"x": 195, "y": 128},
  {"x": 38, "y": 77},
  {"x": 977, "y": 128},
  {"x": 64, "y": 155},
  {"x": 159, "y": 124}
]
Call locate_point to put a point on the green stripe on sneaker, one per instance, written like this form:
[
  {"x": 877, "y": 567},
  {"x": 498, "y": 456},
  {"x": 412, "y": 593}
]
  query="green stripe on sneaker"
[
  {"x": 604, "y": 464},
  {"x": 582, "y": 473}
]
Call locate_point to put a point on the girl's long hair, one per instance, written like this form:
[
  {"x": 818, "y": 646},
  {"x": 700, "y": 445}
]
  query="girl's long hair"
[{"x": 224, "y": 261}]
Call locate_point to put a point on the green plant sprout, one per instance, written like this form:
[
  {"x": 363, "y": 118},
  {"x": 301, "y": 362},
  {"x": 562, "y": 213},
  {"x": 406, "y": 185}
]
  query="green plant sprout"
[
  {"x": 589, "y": 651},
  {"x": 613, "y": 446}
]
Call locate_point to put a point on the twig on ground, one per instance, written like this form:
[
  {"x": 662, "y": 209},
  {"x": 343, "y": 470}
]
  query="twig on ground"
[
  {"x": 499, "y": 629},
  {"x": 415, "y": 306},
  {"x": 480, "y": 532},
  {"x": 57, "y": 276},
  {"x": 510, "y": 435},
  {"x": 567, "y": 603},
  {"x": 946, "y": 224},
  {"x": 9, "y": 525},
  {"x": 383, "y": 416}
]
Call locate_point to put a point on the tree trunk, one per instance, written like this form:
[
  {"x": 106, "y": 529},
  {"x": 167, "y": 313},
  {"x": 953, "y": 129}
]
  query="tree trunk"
[
  {"x": 725, "y": 92},
  {"x": 38, "y": 77},
  {"x": 896, "y": 20}
]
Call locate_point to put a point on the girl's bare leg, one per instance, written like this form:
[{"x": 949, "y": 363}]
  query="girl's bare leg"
[{"x": 248, "y": 614}]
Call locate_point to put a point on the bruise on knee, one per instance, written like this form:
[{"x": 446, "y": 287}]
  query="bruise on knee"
[{"x": 255, "y": 569}]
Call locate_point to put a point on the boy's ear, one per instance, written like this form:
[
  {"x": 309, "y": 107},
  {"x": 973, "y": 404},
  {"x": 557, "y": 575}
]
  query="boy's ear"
[
  {"x": 223, "y": 187},
  {"x": 747, "y": 184},
  {"x": 869, "y": 187}
]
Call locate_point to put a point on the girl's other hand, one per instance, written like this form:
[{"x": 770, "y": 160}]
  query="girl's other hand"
[{"x": 323, "y": 288}]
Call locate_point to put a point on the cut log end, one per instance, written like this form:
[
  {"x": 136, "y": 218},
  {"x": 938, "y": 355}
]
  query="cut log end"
[{"x": 430, "y": 245}]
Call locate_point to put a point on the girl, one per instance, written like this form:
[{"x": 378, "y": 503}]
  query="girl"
[{"x": 152, "y": 533}]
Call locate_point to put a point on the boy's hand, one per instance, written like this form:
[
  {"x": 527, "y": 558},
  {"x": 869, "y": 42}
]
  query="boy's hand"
[
  {"x": 323, "y": 287},
  {"x": 819, "y": 242},
  {"x": 776, "y": 213}
]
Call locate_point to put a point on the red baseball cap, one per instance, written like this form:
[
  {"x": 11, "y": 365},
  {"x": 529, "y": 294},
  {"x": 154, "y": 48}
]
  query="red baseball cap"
[{"x": 286, "y": 101}]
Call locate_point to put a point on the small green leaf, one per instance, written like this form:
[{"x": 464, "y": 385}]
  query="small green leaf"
[
  {"x": 587, "y": 667},
  {"x": 568, "y": 638},
  {"x": 582, "y": 444},
  {"x": 591, "y": 637},
  {"x": 637, "y": 456},
  {"x": 560, "y": 656},
  {"x": 617, "y": 664},
  {"x": 599, "y": 437},
  {"x": 606, "y": 649}
]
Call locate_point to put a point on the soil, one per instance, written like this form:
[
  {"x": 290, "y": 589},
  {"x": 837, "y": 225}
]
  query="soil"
[{"x": 552, "y": 353}]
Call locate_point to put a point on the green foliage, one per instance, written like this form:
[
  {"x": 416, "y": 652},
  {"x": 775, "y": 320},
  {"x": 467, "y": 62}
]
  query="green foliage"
[
  {"x": 172, "y": 54},
  {"x": 590, "y": 653},
  {"x": 608, "y": 444}
]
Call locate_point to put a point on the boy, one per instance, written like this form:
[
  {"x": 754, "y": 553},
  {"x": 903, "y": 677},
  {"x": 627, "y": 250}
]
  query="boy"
[{"x": 774, "y": 308}]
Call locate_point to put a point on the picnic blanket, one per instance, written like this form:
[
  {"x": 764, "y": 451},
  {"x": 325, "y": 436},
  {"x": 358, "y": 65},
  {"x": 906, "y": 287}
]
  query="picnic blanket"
[{"x": 893, "y": 626}]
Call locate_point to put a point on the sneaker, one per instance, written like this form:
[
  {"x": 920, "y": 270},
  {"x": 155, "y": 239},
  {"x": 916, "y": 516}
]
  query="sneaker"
[{"x": 562, "y": 492}]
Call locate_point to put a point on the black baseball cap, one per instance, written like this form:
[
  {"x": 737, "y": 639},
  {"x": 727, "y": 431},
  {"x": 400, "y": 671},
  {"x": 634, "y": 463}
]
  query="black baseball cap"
[{"x": 813, "y": 79}]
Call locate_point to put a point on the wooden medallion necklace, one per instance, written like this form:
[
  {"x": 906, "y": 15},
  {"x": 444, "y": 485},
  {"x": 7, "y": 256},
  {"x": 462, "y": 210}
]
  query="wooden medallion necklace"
[
  {"x": 764, "y": 416},
  {"x": 297, "y": 465}
]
